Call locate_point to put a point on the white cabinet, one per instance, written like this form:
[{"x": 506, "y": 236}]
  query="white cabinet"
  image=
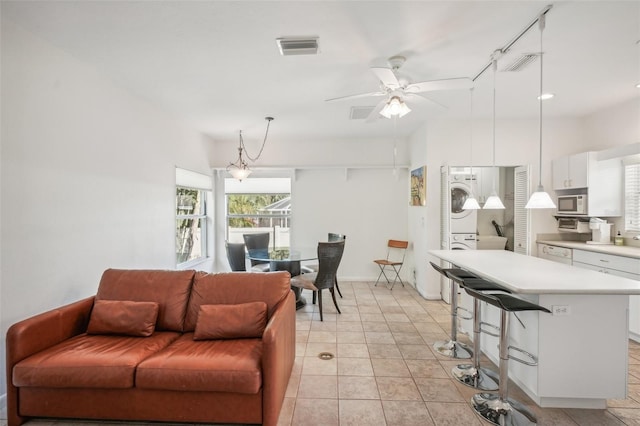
[
  {"x": 601, "y": 180},
  {"x": 621, "y": 266},
  {"x": 571, "y": 171}
]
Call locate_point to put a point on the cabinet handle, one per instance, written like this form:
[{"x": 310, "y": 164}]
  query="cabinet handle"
[{"x": 605, "y": 261}]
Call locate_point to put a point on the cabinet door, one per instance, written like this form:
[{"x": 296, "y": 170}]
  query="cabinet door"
[
  {"x": 560, "y": 171},
  {"x": 579, "y": 170}
]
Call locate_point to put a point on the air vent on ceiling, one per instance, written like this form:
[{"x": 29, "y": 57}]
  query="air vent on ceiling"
[
  {"x": 520, "y": 62},
  {"x": 297, "y": 45},
  {"x": 360, "y": 112}
]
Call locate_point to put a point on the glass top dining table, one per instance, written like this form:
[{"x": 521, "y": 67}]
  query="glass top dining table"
[
  {"x": 286, "y": 260},
  {"x": 292, "y": 254}
]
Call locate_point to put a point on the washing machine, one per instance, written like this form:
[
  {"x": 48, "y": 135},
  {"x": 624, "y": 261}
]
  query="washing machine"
[
  {"x": 456, "y": 242},
  {"x": 461, "y": 186},
  {"x": 463, "y": 242}
]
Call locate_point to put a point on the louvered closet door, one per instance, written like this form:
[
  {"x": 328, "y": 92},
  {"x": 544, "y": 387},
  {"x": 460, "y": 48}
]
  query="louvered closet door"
[{"x": 520, "y": 214}]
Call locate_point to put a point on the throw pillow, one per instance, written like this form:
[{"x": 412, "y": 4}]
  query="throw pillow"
[
  {"x": 243, "y": 320},
  {"x": 123, "y": 317}
]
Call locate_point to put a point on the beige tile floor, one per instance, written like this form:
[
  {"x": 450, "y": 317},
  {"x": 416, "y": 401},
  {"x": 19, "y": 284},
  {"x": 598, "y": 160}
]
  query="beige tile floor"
[{"x": 386, "y": 373}]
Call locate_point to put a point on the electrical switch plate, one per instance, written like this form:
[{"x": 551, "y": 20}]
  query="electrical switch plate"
[{"x": 561, "y": 310}]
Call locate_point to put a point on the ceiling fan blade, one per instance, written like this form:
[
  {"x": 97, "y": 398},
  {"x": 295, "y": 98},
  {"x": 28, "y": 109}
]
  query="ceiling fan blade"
[
  {"x": 361, "y": 95},
  {"x": 446, "y": 84},
  {"x": 387, "y": 77},
  {"x": 374, "y": 115},
  {"x": 423, "y": 100}
]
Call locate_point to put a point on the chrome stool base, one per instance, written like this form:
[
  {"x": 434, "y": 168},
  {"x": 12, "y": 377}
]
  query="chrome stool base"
[
  {"x": 453, "y": 349},
  {"x": 477, "y": 378},
  {"x": 502, "y": 412}
]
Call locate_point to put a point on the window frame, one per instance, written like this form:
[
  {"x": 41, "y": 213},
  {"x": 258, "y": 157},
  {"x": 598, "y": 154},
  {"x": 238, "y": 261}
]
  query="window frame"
[
  {"x": 632, "y": 197},
  {"x": 202, "y": 216}
]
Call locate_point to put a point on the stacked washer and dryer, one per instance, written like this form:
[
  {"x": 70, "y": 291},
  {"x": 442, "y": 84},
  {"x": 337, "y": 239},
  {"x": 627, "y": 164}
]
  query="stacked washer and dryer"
[{"x": 464, "y": 223}]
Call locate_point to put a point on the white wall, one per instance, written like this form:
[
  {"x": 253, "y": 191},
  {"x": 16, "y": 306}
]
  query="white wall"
[
  {"x": 369, "y": 206},
  {"x": 88, "y": 179}
]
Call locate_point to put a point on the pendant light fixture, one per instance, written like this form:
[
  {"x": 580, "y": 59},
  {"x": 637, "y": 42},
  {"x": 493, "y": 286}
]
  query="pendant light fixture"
[
  {"x": 494, "y": 201},
  {"x": 540, "y": 199},
  {"x": 239, "y": 169},
  {"x": 471, "y": 203}
]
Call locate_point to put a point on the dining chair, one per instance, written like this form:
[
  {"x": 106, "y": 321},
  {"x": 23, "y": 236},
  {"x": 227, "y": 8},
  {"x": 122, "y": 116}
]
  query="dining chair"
[
  {"x": 258, "y": 242},
  {"x": 329, "y": 257},
  {"x": 396, "y": 250},
  {"x": 236, "y": 256},
  {"x": 307, "y": 269}
]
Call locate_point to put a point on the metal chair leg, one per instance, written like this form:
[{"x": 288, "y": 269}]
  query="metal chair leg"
[{"x": 333, "y": 296}]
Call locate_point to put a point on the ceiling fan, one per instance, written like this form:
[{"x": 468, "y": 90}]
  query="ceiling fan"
[{"x": 397, "y": 90}]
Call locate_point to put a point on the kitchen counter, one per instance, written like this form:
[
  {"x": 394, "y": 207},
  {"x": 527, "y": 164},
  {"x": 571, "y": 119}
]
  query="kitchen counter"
[
  {"x": 532, "y": 275},
  {"x": 582, "y": 346},
  {"x": 627, "y": 251}
]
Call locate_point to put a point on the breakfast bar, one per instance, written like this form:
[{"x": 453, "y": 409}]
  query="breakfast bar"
[{"x": 582, "y": 346}]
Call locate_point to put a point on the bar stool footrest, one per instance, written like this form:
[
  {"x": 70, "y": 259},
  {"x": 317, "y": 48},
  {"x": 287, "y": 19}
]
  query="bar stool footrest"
[
  {"x": 527, "y": 354},
  {"x": 490, "y": 333},
  {"x": 470, "y": 317}
]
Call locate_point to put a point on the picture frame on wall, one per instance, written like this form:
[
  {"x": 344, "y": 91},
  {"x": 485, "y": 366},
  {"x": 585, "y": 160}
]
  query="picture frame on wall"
[{"x": 419, "y": 186}]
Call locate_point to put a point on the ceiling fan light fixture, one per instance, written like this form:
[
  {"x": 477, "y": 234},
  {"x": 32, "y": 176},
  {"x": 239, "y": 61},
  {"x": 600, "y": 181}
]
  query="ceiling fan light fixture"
[{"x": 395, "y": 106}]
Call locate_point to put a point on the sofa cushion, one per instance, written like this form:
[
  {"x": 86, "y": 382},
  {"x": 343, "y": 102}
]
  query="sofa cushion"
[
  {"x": 123, "y": 317},
  {"x": 244, "y": 320},
  {"x": 169, "y": 289},
  {"x": 89, "y": 361},
  {"x": 204, "y": 365},
  {"x": 236, "y": 287}
]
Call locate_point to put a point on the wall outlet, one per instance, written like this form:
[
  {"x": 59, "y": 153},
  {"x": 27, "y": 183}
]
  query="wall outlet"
[{"x": 561, "y": 310}]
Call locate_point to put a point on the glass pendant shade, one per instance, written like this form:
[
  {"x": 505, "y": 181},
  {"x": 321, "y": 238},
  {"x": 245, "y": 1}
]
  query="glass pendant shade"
[
  {"x": 471, "y": 203},
  {"x": 493, "y": 202},
  {"x": 240, "y": 172},
  {"x": 540, "y": 200}
]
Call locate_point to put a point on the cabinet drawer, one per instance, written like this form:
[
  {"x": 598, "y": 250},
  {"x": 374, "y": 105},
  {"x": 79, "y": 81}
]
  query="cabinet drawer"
[{"x": 602, "y": 260}]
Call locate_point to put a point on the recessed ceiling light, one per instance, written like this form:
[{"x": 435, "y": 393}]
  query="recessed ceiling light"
[{"x": 546, "y": 96}]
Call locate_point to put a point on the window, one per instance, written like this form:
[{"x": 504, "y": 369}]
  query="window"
[
  {"x": 194, "y": 230},
  {"x": 632, "y": 197},
  {"x": 259, "y": 205},
  {"x": 191, "y": 225}
]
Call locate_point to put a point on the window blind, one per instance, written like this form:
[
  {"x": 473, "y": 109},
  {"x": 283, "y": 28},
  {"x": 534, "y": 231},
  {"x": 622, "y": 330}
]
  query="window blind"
[{"x": 632, "y": 197}]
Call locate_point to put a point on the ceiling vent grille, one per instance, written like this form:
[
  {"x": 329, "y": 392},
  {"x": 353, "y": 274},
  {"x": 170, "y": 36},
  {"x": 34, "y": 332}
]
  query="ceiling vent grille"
[
  {"x": 297, "y": 45},
  {"x": 360, "y": 112},
  {"x": 521, "y": 62}
]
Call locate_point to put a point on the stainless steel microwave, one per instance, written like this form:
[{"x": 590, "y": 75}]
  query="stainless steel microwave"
[{"x": 572, "y": 204}]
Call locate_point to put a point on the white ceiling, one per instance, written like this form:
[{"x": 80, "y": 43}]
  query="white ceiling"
[{"x": 216, "y": 65}]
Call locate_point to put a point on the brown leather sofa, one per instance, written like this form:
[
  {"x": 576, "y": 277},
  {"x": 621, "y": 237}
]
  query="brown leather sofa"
[{"x": 177, "y": 346}]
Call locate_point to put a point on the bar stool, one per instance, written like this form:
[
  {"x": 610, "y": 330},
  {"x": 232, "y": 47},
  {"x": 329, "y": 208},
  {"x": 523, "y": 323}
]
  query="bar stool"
[
  {"x": 473, "y": 375},
  {"x": 498, "y": 408},
  {"x": 452, "y": 348}
]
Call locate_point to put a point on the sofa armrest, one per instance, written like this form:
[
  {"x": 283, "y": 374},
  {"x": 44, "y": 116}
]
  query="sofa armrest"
[
  {"x": 279, "y": 351},
  {"x": 37, "y": 333}
]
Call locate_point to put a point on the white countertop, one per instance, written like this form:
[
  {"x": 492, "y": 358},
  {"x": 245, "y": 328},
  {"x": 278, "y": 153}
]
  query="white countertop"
[
  {"x": 626, "y": 251},
  {"x": 528, "y": 274}
]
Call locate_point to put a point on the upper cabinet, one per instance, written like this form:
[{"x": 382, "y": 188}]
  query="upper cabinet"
[
  {"x": 600, "y": 180},
  {"x": 572, "y": 171}
]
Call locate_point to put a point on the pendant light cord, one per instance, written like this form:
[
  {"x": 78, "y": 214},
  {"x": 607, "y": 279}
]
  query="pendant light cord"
[
  {"x": 269, "y": 119},
  {"x": 471, "y": 130},
  {"x": 541, "y": 25},
  {"x": 495, "y": 67}
]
